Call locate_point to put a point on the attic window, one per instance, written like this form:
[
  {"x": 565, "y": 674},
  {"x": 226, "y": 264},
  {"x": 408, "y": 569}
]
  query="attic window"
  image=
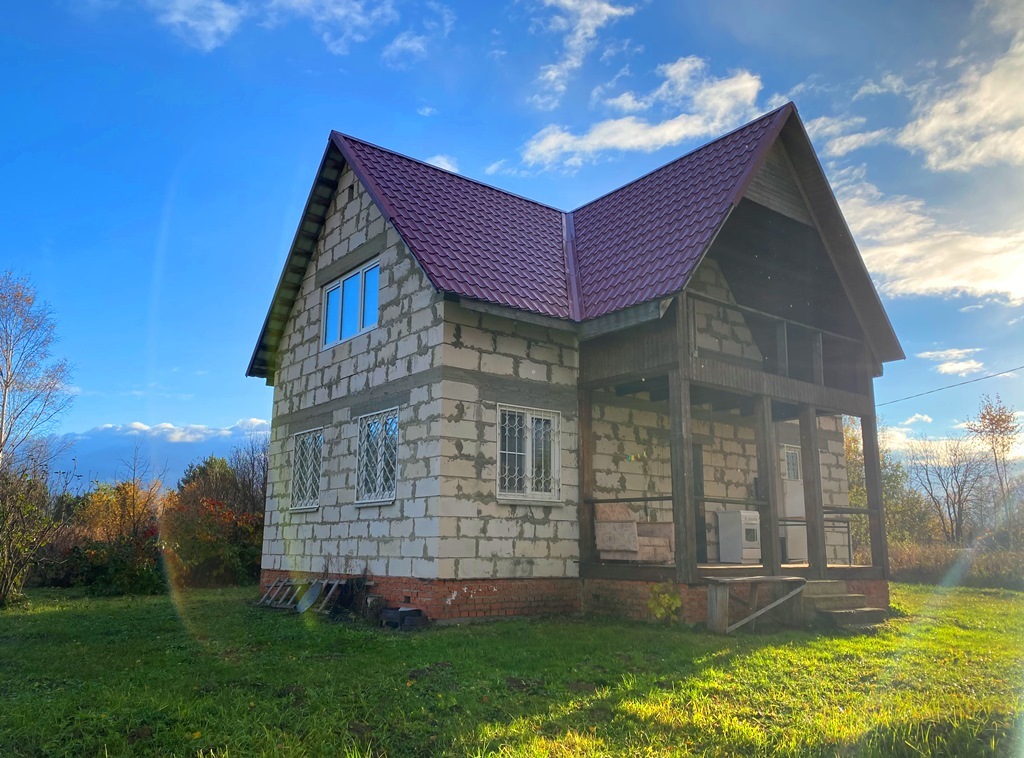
[{"x": 351, "y": 303}]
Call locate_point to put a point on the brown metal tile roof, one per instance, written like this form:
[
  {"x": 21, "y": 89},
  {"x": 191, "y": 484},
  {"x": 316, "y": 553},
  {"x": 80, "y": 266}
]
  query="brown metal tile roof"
[
  {"x": 472, "y": 239},
  {"x": 643, "y": 241},
  {"x": 635, "y": 244}
]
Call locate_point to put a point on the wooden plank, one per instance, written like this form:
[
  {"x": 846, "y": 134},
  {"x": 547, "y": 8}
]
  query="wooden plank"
[
  {"x": 771, "y": 482},
  {"x": 681, "y": 450},
  {"x": 588, "y": 548},
  {"x": 718, "y": 608},
  {"x": 632, "y": 572},
  {"x": 813, "y": 500},
  {"x": 873, "y": 489},
  {"x": 715, "y": 373},
  {"x": 643, "y": 351},
  {"x": 817, "y": 364},
  {"x": 782, "y": 348},
  {"x": 770, "y": 606},
  {"x": 681, "y": 456}
]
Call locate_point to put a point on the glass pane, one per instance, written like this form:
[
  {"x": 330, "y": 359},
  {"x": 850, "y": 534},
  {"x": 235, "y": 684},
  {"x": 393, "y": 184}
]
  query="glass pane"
[
  {"x": 512, "y": 453},
  {"x": 542, "y": 474},
  {"x": 332, "y": 316},
  {"x": 371, "y": 287},
  {"x": 350, "y": 307}
]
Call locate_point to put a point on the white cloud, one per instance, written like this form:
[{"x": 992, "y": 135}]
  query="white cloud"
[
  {"x": 447, "y": 162},
  {"x": 978, "y": 120},
  {"x": 189, "y": 433},
  {"x": 912, "y": 253},
  {"x": 955, "y": 361},
  {"x": 711, "y": 105},
  {"x": 445, "y": 21},
  {"x": 923, "y": 417},
  {"x": 340, "y": 23},
  {"x": 206, "y": 24},
  {"x": 581, "y": 20},
  {"x": 840, "y": 135},
  {"x": 889, "y": 84},
  {"x": 426, "y": 110},
  {"x": 969, "y": 308},
  {"x": 404, "y": 49},
  {"x": 495, "y": 167}
]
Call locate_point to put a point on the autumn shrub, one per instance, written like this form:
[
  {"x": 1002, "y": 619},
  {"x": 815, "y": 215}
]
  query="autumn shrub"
[
  {"x": 206, "y": 543},
  {"x": 941, "y": 563},
  {"x": 126, "y": 565}
]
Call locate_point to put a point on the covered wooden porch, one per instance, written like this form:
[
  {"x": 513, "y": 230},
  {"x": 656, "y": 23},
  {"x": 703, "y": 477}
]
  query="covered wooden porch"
[{"x": 659, "y": 374}]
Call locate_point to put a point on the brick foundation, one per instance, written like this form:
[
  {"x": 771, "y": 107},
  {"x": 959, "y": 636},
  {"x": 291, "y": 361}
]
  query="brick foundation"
[
  {"x": 464, "y": 599},
  {"x": 460, "y": 599},
  {"x": 876, "y": 590}
]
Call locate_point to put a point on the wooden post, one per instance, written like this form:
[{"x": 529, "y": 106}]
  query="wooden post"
[
  {"x": 585, "y": 465},
  {"x": 873, "y": 490},
  {"x": 782, "y": 348},
  {"x": 814, "y": 507},
  {"x": 817, "y": 361},
  {"x": 681, "y": 450},
  {"x": 770, "y": 478},
  {"x": 681, "y": 453}
]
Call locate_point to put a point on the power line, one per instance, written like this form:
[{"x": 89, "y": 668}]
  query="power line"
[{"x": 951, "y": 386}]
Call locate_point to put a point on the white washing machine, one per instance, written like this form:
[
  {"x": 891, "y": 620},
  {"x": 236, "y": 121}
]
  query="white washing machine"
[{"x": 739, "y": 537}]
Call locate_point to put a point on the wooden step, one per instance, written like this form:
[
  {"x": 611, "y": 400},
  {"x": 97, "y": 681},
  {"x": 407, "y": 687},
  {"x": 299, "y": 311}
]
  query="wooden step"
[
  {"x": 854, "y": 617},
  {"x": 824, "y": 587},
  {"x": 843, "y": 602}
]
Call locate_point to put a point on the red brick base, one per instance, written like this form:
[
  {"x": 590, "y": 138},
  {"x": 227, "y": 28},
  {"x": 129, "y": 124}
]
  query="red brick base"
[
  {"x": 876, "y": 590},
  {"x": 463, "y": 599},
  {"x": 455, "y": 599}
]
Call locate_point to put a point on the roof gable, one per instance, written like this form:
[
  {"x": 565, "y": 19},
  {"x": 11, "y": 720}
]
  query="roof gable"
[{"x": 636, "y": 244}]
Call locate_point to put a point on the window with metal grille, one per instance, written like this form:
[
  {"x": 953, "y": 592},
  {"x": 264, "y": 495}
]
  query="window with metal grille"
[
  {"x": 792, "y": 463},
  {"x": 377, "y": 457},
  {"x": 528, "y": 453},
  {"x": 306, "y": 459}
]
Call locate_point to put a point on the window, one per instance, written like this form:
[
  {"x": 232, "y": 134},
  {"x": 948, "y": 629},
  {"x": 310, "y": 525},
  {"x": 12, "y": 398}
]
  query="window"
[
  {"x": 306, "y": 458},
  {"x": 792, "y": 463},
  {"x": 528, "y": 453},
  {"x": 350, "y": 304},
  {"x": 378, "y": 457}
]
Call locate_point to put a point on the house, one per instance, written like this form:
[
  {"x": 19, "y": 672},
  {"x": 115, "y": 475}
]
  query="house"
[{"x": 494, "y": 407}]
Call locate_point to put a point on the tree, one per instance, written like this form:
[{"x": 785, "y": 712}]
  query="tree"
[
  {"x": 951, "y": 474},
  {"x": 250, "y": 462},
  {"x": 33, "y": 386},
  {"x": 127, "y": 509},
  {"x": 998, "y": 428},
  {"x": 33, "y": 394},
  {"x": 907, "y": 515}
]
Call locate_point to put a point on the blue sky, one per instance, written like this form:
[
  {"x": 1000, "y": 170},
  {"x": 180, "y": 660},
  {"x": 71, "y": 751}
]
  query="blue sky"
[{"x": 156, "y": 155}]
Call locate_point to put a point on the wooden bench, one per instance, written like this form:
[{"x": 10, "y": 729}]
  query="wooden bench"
[{"x": 719, "y": 593}]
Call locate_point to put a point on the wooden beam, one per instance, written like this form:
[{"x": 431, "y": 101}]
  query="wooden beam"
[
  {"x": 681, "y": 454},
  {"x": 717, "y": 373},
  {"x": 873, "y": 490},
  {"x": 585, "y": 514},
  {"x": 770, "y": 478},
  {"x": 782, "y": 348},
  {"x": 817, "y": 364},
  {"x": 813, "y": 501}
]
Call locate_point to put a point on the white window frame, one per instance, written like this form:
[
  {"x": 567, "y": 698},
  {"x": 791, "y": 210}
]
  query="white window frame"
[
  {"x": 337, "y": 284},
  {"x": 529, "y": 493},
  {"x": 786, "y": 451},
  {"x": 308, "y": 503},
  {"x": 378, "y": 497}
]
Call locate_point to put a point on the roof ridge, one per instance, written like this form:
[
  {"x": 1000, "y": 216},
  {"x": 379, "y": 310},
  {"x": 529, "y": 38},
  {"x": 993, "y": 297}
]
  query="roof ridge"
[
  {"x": 455, "y": 174},
  {"x": 706, "y": 145}
]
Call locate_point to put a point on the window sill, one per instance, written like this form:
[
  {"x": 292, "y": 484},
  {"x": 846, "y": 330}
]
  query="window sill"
[
  {"x": 302, "y": 509},
  {"x": 512, "y": 500},
  {"x": 374, "y": 503}
]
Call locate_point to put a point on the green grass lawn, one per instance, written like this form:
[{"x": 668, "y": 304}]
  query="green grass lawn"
[{"x": 214, "y": 676}]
